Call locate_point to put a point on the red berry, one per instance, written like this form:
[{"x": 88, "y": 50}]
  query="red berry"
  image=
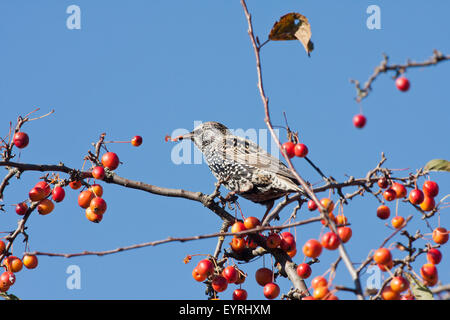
[
  {"x": 30, "y": 261},
  {"x": 416, "y": 196},
  {"x": 359, "y": 121},
  {"x": 289, "y": 149},
  {"x": 219, "y": 283},
  {"x": 383, "y": 212},
  {"x": 402, "y": 83},
  {"x": 8, "y": 278},
  {"x": 399, "y": 189},
  {"x": 318, "y": 282},
  {"x": 110, "y": 160},
  {"x": 430, "y": 188},
  {"x": 312, "y": 205},
  {"x": 345, "y": 233},
  {"x": 389, "y": 194},
  {"x": 434, "y": 256},
  {"x": 239, "y": 294},
  {"x": 44, "y": 186},
  {"x": 300, "y": 150},
  {"x": 330, "y": 241},
  {"x": 98, "y": 205},
  {"x": 383, "y": 183},
  {"x": 21, "y": 208},
  {"x": 271, "y": 290},
  {"x": 238, "y": 227},
  {"x": 398, "y": 222},
  {"x": 287, "y": 242},
  {"x": 273, "y": 240},
  {"x": 136, "y": 141},
  {"x": 21, "y": 140},
  {"x": 98, "y": 172},
  {"x": 206, "y": 267},
  {"x": 382, "y": 256},
  {"x": 263, "y": 276},
  {"x": 84, "y": 198},
  {"x": 304, "y": 270},
  {"x": 75, "y": 185},
  {"x": 36, "y": 194},
  {"x": 312, "y": 248},
  {"x": 231, "y": 274},
  {"x": 58, "y": 194}
]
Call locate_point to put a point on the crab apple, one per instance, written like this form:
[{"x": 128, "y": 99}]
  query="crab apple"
[
  {"x": 273, "y": 240},
  {"x": 319, "y": 281},
  {"x": 3, "y": 287},
  {"x": 383, "y": 183},
  {"x": 308, "y": 298},
  {"x": 238, "y": 227},
  {"x": 402, "y": 83},
  {"x": 292, "y": 253},
  {"x": 110, "y": 160},
  {"x": 239, "y": 294},
  {"x": 58, "y": 194},
  {"x": 304, "y": 270},
  {"x": 200, "y": 277},
  {"x": 416, "y": 196},
  {"x": 328, "y": 204},
  {"x": 301, "y": 150},
  {"x": 251, "y": 222},
  {"x": 2, "y": 247},
  {"x": 21, "y": 140},
  {"x": 345, "y": 233},
  {"x": 75, "y": 185},
  {"x": 383, "y": 212},
  {"x": 45, "y": 207},
  {"x": 389, "y": 194},
  {"x": 332, "y": 218},
  {"x": 312, "y": 248},
  {"x": 399, "y": 284},
  {"x": 13, "y": 264},
  {"x": 428, "y": 203},
  {"x": 271, "y": 290},
  {"x": 320, "y": 292},
  {"x": 287, "y": 242},
  {"x": 92, "y": 216},
  {"x": 231, "y": 274},
  {"x": 136, "y": 141},
  {"x": 434, "y": 256},
  {"x": 44, "y": 186},
  {"x": 430, "y": 188},
  {"x": 8, "y": 278},
  {"x": 263, "y": 276},
  {"x": 398, "y": 222},
  {"x": 389, "y": 294},
  {"x": 382, "y": 256},
  {"x": 330, "y": 241},
  {"x": 359, "y": 121},
  {"x": 84, "y": 198},
  {"x": 98, "y": 205},
  {"x": 341, "y": 219},
  {"x": 241, "y": 278},
  {"x": 429, "y": 271},
  {"x": 36, "y": 194},
  {"x": 30, "y": 261},
  {"x": 21, "y": 208},
  {"x": 237, "y": 244},
  {"x": 289, "y": 147},
  {"x": 312, "y": 205},
  {"x": 98, "y": 172},
  {"x": 219, "y": 283},
  {"x": 399, "y": 189},
  {"x": 205, "y": 267},
  {"x": 97, "y": 190},
  {"x": 440, "y": 235}
]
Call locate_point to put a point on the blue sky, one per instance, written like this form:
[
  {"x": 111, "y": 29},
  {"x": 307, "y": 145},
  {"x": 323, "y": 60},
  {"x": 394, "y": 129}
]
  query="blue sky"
[{"x": 150, "y": 67}]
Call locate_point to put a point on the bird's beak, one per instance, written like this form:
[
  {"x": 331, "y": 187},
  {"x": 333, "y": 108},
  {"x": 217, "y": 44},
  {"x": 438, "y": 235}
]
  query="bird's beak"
[{"x": 186, "y": 136}]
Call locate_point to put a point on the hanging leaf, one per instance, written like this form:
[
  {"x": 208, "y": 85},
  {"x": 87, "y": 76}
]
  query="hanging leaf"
[
  {"x": 419, "y": 290},
  {"x": 438, "y": 165},
  {"x": 293, "y": 26}
]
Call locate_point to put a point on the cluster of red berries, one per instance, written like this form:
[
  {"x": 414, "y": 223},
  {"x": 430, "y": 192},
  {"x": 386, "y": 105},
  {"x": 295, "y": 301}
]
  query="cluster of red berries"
[
  {"x": 402, "y": 84},
  {"x": 295, "y": 149},
  {"x": 13, "y": 265}
]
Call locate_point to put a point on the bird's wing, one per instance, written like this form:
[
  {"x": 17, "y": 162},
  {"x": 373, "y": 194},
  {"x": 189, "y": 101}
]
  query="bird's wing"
[{"x": 246, "y": 151}]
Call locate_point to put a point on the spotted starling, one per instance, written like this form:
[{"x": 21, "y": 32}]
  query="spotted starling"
[{"x": 242, "y": 166}]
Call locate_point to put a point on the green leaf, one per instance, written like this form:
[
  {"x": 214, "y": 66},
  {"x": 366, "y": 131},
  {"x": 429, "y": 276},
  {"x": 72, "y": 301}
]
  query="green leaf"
[
  {"x": 419, "y": 290},
  {"x": 438, "y": 165},
  {"x": 293, "y": 26}
]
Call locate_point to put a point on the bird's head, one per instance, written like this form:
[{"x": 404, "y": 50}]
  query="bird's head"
[{"x": 206, "y": 133}]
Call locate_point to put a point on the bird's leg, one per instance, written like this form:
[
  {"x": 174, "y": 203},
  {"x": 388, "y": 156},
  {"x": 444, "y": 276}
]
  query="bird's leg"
[
  {"x": 229, "y": 198},
  {"x": 269, "y": 206}
]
